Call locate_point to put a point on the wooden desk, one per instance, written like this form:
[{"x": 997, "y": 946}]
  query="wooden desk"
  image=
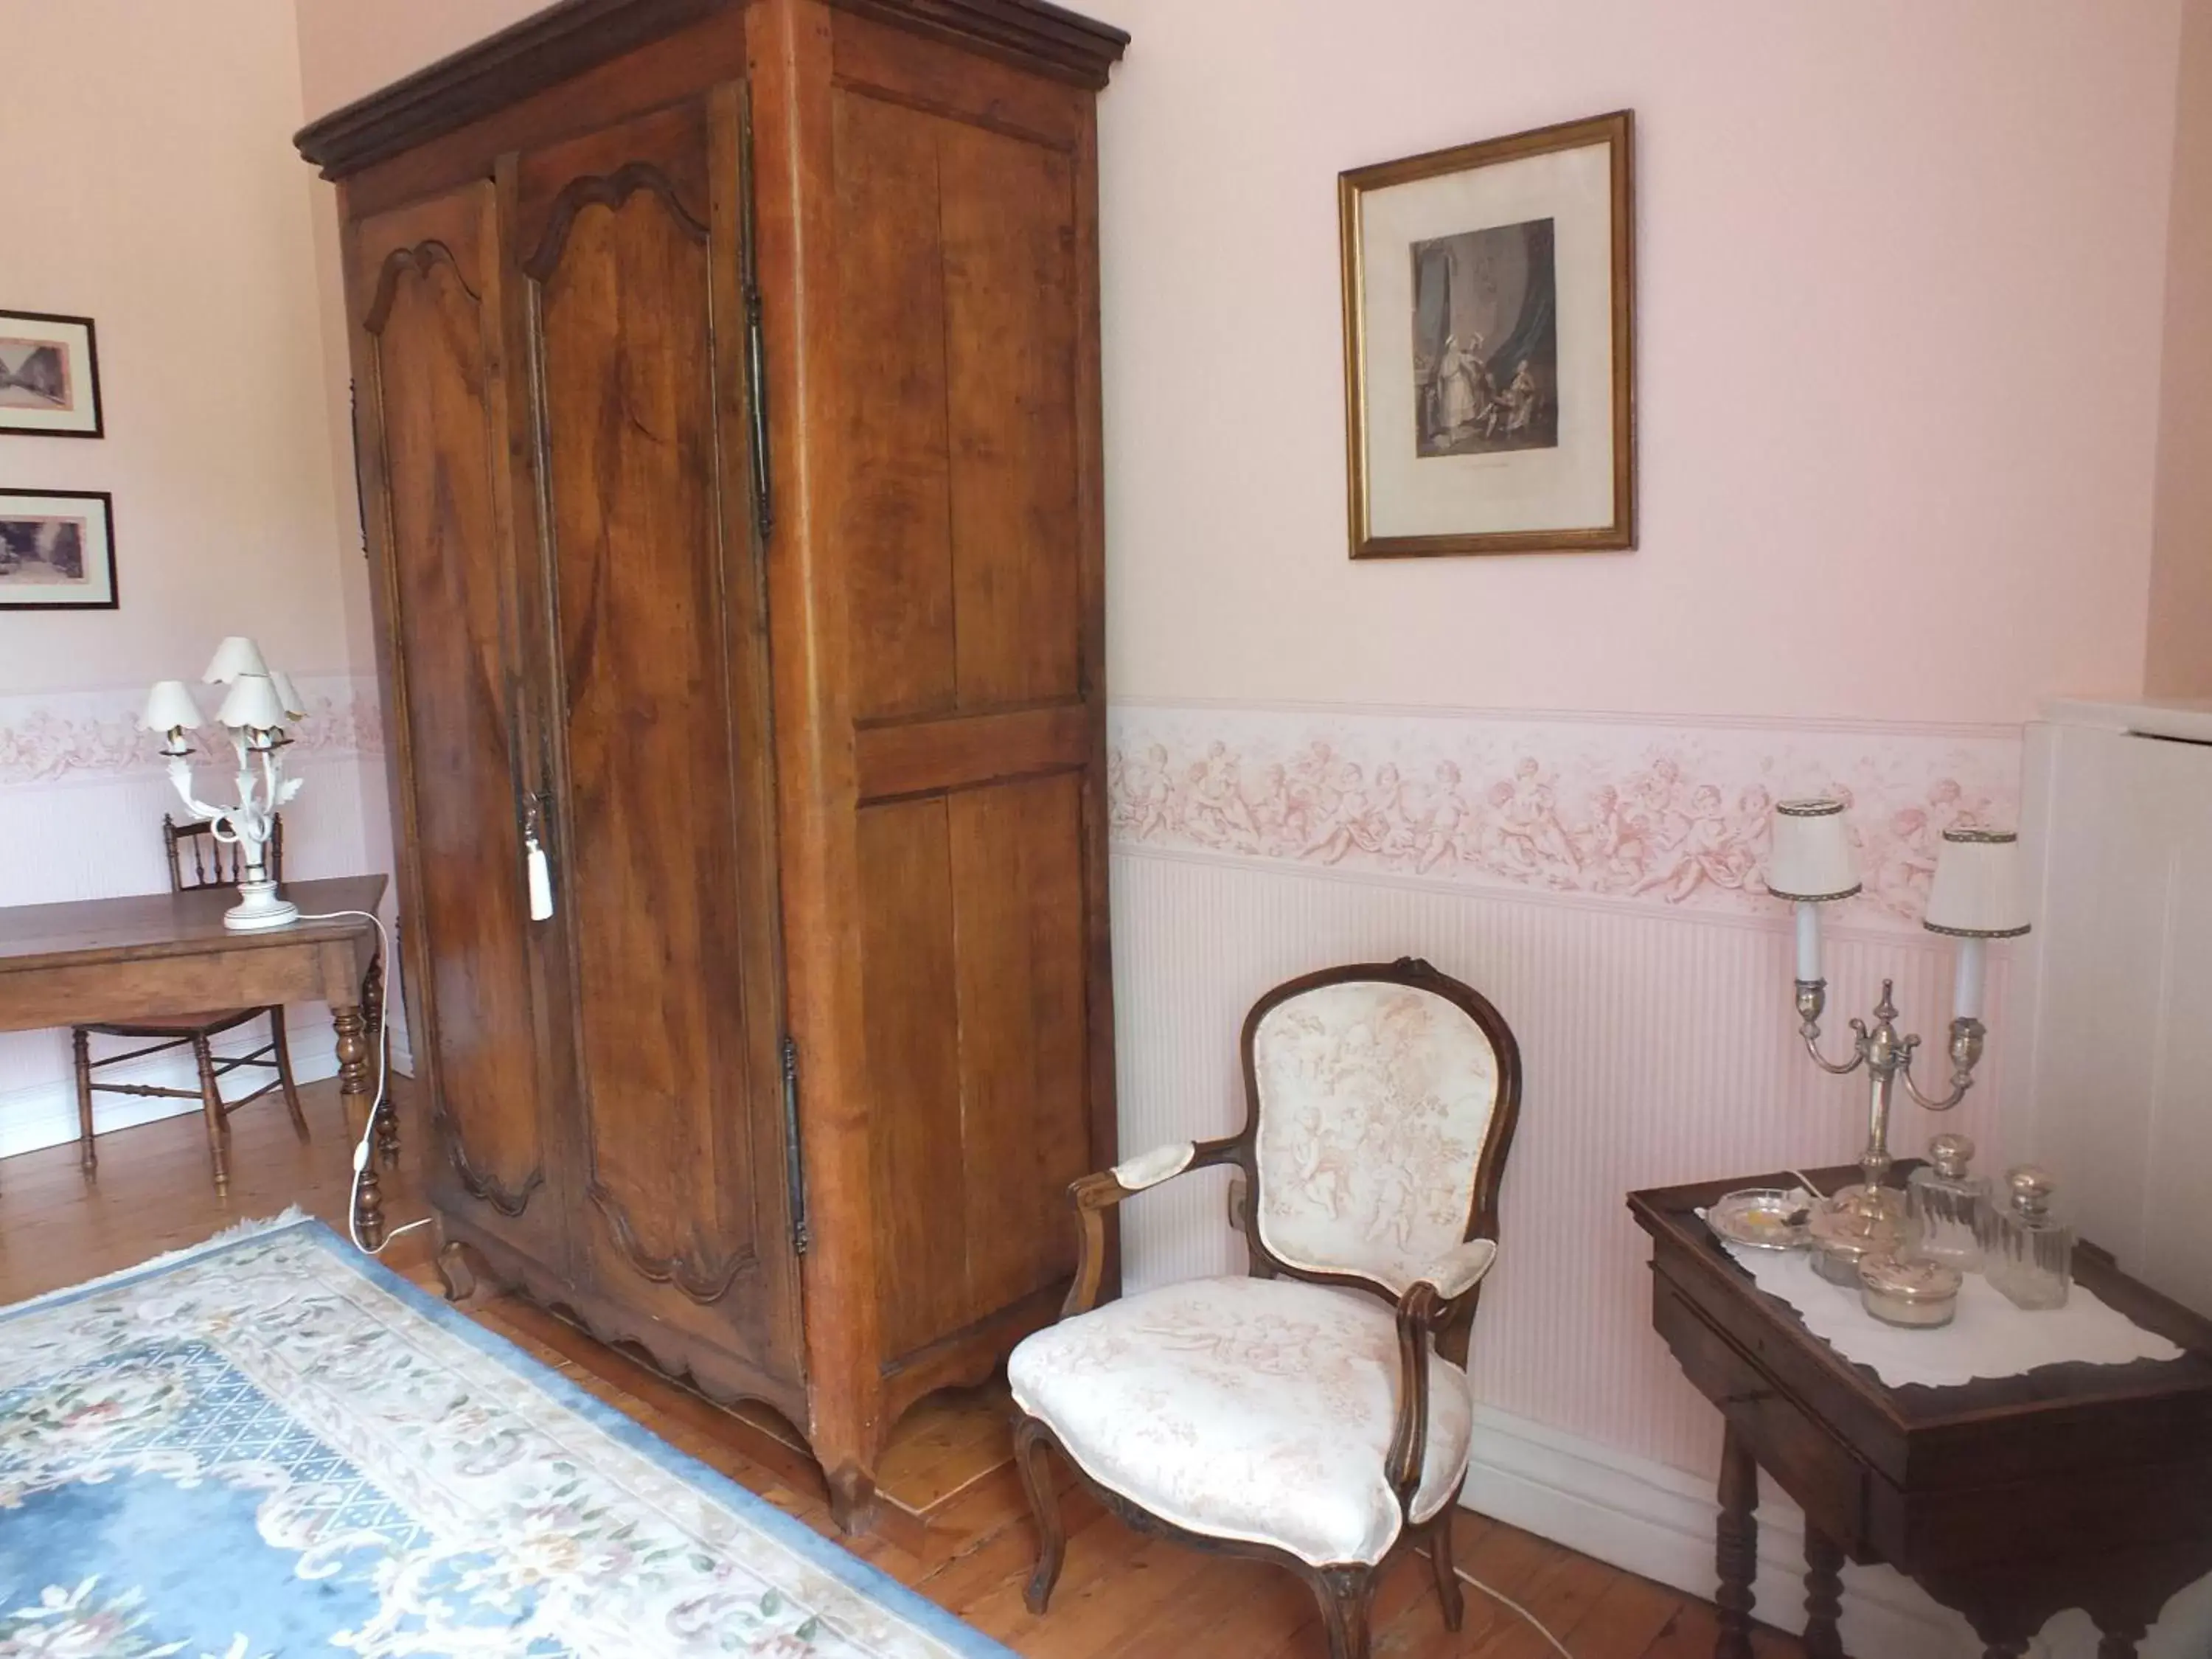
[
  {"x": 2010, "y": 1499},
  {"x": 169, "y": 953}
]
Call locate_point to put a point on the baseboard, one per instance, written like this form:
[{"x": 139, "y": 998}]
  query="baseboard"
[
  {"x": 45, "y": 1114},
  {"x": 1657, "y": 1520}
]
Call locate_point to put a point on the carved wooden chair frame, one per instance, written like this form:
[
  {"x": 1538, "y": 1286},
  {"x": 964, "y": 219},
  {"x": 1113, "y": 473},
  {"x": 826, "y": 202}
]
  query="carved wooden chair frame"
[
  {"x": 1424, "y": 1311},
  {"x": 213, "y": 865}
]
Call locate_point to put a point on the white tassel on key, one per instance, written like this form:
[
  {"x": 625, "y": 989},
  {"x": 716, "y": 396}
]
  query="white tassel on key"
[{"x": 541, "y": 883}]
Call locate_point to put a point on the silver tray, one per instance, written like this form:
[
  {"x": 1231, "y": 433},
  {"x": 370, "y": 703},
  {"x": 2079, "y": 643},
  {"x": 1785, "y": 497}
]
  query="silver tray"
[{"x": 1763, "y": 1217}]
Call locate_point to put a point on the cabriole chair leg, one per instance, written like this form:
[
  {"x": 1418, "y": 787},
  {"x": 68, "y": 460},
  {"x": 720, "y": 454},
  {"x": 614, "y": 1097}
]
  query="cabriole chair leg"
[{"x": 1044, "y": 1505}]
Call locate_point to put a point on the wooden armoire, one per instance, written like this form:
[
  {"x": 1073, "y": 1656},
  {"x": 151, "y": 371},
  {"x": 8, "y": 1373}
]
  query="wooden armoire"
[{"x": 727, "y": 380}]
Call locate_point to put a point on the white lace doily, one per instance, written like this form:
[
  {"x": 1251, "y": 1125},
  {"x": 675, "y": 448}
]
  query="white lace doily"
[{"x": 1991, "y": 1337}]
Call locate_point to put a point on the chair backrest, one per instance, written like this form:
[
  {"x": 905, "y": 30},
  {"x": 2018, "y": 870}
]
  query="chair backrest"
[
  {"x": 1383, "y": 1100},
  {"x": 197, "y": 859}
]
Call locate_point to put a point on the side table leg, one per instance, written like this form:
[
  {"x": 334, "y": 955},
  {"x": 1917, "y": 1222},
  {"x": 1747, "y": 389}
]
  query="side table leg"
[
  {"x": 1736, "y": 1551},
  {"x": 354, "y": 1090},
  {"x": 1824, "y": 1596}
]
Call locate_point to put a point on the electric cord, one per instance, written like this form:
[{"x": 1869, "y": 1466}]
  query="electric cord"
[
  {"x": 365, "y": 1148},
  {"x": 1508, "y": 1603}
]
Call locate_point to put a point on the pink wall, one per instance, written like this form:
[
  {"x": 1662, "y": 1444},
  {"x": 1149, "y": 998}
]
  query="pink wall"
[
  {"x": 1899, "y": 326},
  {"x": 2179, "y": 646},
  {"x": 348, "y": 50},
  {"x": 175, "y": 216},
  {"x": 150, "y": 183}
]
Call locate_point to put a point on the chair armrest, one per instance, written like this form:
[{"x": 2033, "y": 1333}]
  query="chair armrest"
[
  {"x": 1432, "y": 1300},
  {"x": 1094, "y": 1194},
  {"x": 1456, "y": 1272}
]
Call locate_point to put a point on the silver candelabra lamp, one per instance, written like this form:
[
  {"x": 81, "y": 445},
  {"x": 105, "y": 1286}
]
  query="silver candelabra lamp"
[
  {"x": 256, "y": 709},
  {"x": 1975, "y": 898}
]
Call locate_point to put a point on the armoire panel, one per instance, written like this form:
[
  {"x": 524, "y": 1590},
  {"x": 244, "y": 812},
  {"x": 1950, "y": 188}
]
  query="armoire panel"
[
  {"x": 896, "y": 519},
  {"x": 429, "y": 278},
  {"x": 976, "y": 1039},
  {"x": 1018, "y": 916},
  {"x": 910, "y": 970},
  {"x": 956, "y": 250},
  {"x": 647, "y": 699},
  {"x": 1007, "y": 213}
]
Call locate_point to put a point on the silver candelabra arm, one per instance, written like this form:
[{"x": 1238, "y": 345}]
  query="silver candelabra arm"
[
  {"x": 1812, "y": 1000},
  {"x": 1966, "y": 1035}
]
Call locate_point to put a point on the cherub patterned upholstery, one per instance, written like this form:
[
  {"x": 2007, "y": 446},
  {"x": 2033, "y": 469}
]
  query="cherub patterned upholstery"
[
  {"x": 1375, "y": 1100},
  {"x": 1288, "y": 1390}
]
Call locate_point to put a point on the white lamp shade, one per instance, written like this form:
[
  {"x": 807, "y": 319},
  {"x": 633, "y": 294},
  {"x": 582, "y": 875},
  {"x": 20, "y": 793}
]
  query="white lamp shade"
[
  {"x": 169, "y": 706},
  {"x": 1810, "y": 856},
  {"x": 1977, "y": 891},
  {"x": 235, "y": 656},
  {"x": 286, "y": 695},
  {"x": 253, "y": 702}
]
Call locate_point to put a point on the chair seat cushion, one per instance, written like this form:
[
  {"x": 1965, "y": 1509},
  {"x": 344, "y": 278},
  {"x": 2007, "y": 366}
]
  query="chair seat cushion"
[{"x": 1253, "y": 1409}]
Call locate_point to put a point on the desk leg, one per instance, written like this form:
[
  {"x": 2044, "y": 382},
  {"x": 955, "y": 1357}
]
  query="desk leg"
[
  {"x": 1824, "y": 1596},
  {"x": 1737, "y": 1548},
  {"x": 355, "y": 1089}
]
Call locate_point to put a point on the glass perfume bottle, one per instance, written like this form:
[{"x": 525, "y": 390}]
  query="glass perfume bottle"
[
  {"x": 1946, "y": 1204},
  {"x": 2026, "y": 1250}
]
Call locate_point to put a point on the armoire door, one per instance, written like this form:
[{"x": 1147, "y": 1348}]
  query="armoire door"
[
  {"x": 630, "y": 241},
  {"x": 442, "y": 499}
]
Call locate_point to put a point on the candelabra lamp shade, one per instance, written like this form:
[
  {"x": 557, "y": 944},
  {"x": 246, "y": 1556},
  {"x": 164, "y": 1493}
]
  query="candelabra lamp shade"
[
  {"x": 171, "y": 708},
  {"x": 236, "y": 656},
  {"x": 1977, "y": 891},
  {"x": 252, "y": 704},
  {"x": 286, "y": 696},
  {"x": 1810, "y": 856}
]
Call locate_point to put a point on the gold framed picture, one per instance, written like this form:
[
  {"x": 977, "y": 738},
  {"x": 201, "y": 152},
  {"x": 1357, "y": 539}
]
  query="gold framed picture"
[{"x": 1489, "y": 345}]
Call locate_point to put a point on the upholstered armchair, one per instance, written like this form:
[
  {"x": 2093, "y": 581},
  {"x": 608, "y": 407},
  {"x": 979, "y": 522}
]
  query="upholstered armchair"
[{"x": 1316, "y": 1413}]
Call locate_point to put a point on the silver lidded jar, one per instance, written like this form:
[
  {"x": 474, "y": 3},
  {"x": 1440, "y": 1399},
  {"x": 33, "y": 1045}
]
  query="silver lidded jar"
[
  {"x": 2027, "y": 1250},
  {"x": 1910, "y": 1291},
  {"x": 1946, "y": 1203},
  {"x": 1845, "y": 1235}
]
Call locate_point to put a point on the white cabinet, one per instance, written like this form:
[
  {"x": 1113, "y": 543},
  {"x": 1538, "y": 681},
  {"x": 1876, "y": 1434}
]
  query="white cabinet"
[{"x": 2116, "y": 984}]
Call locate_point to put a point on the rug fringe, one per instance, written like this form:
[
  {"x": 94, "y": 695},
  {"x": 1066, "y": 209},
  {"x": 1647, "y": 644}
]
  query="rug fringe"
[{"x": 291, "y": 1215}]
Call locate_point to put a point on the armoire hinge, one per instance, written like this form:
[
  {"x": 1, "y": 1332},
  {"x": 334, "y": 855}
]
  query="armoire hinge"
[
  {"x": 794, "y": 1160},
  {"x": 755, "y": 338}
]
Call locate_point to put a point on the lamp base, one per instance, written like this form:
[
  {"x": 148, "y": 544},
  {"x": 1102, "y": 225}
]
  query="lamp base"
[{"x": 259, "y": 909}]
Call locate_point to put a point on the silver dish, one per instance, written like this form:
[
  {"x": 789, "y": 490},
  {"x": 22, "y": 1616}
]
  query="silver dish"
[{"x": 1763, "y": 1217}]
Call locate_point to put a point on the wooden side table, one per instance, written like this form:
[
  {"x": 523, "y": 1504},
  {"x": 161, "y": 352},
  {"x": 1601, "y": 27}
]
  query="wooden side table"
[{"x": 2009, "y": 1499}]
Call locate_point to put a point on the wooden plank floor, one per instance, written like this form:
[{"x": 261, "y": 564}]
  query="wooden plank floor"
[{"x": 957, "y": 1530}]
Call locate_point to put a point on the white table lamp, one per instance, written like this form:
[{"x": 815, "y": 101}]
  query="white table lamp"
[{"x": 255, "y": 711}]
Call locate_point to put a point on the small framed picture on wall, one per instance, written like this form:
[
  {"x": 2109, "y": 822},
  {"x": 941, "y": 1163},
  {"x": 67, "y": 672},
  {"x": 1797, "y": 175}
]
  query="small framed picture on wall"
[
  {"x": 57, "y": 549},
  {"x": 1489, "y": 345},
  {"x": 49, "y": 375}
]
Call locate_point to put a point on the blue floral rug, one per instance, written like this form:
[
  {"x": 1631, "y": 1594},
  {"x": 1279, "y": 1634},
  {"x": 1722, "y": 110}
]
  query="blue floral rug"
[{"x": 271, "y": 1447}]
